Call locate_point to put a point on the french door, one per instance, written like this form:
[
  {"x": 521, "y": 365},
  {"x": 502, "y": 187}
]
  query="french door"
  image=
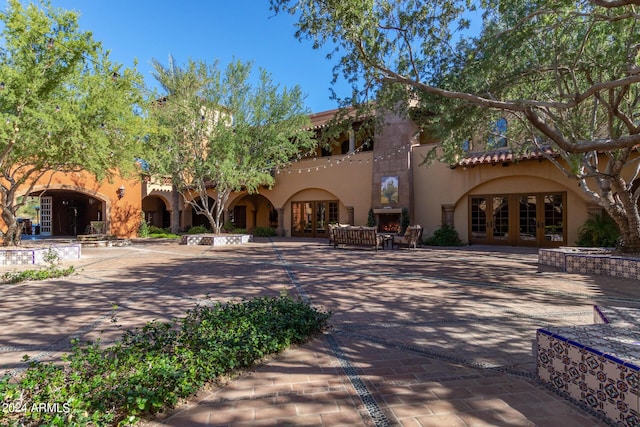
[
  {"x": 312, "y": 219},
  {"x": 46, "y": 215},
  {"x": 536, "y": 219}
]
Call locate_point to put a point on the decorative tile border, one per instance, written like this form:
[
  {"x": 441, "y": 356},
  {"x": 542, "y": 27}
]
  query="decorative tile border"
[
  {"x": 38, "y": 255},
  {"x": 590, "y": 261},
  {"x": 216, "y": 240},
  {"x": 598, "y": 365},
  {"x": 109, "y": 243}
]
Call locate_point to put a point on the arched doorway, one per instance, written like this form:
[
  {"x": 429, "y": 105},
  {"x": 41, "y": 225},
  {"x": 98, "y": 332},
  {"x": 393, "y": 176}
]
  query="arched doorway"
[
  {"x": 64, "y": 212},
  {"x": 199, "y": 219},
  {"x": 251, "y": 211},
  {"x": 156, "y": 212},
  {"x": 312, "y": 210}
]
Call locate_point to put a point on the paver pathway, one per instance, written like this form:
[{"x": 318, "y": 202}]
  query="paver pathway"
[{"x": 426, "y": 337}]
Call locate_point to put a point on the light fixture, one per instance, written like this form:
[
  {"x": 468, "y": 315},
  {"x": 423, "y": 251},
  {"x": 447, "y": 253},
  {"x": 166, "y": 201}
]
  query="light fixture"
[{"x": 120, "y": 192}]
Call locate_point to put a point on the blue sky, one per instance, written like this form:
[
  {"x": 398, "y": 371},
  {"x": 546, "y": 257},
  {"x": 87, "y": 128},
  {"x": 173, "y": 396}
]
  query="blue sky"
[{"x": 208, "y": 30}]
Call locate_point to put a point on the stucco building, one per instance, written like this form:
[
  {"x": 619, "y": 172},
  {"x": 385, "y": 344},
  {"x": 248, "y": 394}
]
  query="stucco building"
[{"x": 489, "y": 199}]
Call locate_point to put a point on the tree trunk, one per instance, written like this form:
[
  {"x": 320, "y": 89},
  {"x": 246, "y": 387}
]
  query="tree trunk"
[
  {"x": 629, "y": 233},
  {"x": 175, "y": 212},
  {"x": 217, "y": 220},
  {"x": 625, "y": 213},
  {"x": 12, "y": 235}
]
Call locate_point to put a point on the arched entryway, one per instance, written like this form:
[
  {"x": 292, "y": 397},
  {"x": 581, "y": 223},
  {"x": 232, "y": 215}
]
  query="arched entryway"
[
  {"x": 199, "y": 219},
  {"x": 312, "y": 210},
  {"x": 156, "y": 212},
  {"x": 253, "y": 210},
  {"x": 64, "y": 212}
]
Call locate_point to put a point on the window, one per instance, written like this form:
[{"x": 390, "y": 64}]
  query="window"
[
  {"x": 498, "y": 136},
  {"x": 367, "y": 145},
  {"x": 344, "y": 147}
]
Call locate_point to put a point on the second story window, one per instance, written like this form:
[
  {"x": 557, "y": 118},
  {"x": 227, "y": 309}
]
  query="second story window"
[
  {"x": 498, "y": 136},
  {"x": 367, "y": 145}
]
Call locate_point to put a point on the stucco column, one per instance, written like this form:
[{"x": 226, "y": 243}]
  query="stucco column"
[
  {"x": 447, "y": 214},
  {"x": 350, "y": 217},
  {"x": 594, "y": 209},
  {"x": 280, "y": 229},
  {"x": 226, "y": 216},
  {"x": 352, "y": 141}
]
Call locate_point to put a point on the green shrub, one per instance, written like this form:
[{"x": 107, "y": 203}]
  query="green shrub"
[
  {"x": 164, "y": 235},
  {"x": 371, "y": 219},
  {"x": 598, "y": 231},
  {"x": 50, "y": 271},
  {"x": 405, "y": 221},
  {"x": 198, "y": 229},
  {"x": 161, "y": 233},
  {"x": 41, "y": 274},
  {"x": 156, "y": 230},
  {"x": 264, "y": 232},
  {"x": 152, "y": 367},
  {"x": 143, "y": 230},
  {"x": 239, "y": 231},
  {"x": 444, "y": 236}
]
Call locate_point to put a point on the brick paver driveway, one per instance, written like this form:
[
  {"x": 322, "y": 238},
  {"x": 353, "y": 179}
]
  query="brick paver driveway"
[{"x": 425, "y": 337}]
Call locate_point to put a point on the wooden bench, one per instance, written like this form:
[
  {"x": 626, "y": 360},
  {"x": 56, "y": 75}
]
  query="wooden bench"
[
  {"x": 357, "y": 236},
  {"x": 333, "y": 227}
]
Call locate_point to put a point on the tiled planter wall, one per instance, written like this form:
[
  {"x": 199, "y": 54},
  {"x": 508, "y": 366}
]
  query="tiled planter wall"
[
  {"x": 571, "y": 260},
  {"x": 598, "y": 365},
  {"x": 38, "y": 255},
  {"x": 216, "y": 240}
]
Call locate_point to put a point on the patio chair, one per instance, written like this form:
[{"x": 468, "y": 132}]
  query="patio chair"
[{"x": 411, "y": 237}]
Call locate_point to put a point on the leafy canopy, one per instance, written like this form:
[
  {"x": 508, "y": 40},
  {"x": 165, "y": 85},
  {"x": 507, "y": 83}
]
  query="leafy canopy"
[
  {"x": 64, "y": 105},
  {"x": 564, "y": 74},
  {"x": 218, "y": 129}
]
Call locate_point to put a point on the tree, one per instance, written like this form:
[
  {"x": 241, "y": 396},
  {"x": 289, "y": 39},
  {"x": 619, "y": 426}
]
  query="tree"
[
  {"x": 565, "y": 75},
  {"x": 64, "y": 105},
  {"x": 219, "y": 132},
  {"x": 371, "y": 219}
]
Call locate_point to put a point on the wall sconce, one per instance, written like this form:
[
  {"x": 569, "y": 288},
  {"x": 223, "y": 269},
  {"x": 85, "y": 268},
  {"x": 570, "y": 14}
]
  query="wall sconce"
[{"x": 120, "y": 192}]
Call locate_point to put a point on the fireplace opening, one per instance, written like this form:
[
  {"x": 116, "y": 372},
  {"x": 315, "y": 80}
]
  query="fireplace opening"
[{"x": 388, "y": 223}]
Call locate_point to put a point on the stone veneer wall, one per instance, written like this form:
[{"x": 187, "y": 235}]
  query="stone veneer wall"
[
  {"x": 597, "y": 365},
  {"x": 590, "y": 261},
  {"x": 37, "y": 255},
  {"x": 216, "y": 240}
]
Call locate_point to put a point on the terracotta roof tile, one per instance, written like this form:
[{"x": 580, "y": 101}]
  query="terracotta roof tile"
[{"x": 503, "y": 156}]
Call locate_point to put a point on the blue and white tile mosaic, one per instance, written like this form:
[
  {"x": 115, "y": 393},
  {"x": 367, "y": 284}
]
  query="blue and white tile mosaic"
[
  {"x": 38, "y": 255},
  {"x": 576, "y": 260},
  {"x": 215, "y": 240},
  {"x": 598, "y": 365}
]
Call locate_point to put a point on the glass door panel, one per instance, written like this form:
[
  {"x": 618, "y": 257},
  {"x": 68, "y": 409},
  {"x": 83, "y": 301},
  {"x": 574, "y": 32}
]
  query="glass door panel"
[
  {"x": 321, "y": 219},
  {"x": 553, "y": 220},
  {"x": 500, "y": 218},
  {"x": 298, "y": 218},
  {"x": 478, "y": 218},
  {"x": 527, "y": 219},
  {"x": 311, "y": 219}
]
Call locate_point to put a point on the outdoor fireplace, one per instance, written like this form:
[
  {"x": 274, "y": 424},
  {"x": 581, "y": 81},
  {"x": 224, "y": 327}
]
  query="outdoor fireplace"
[{"x": 388, "y": 220}]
